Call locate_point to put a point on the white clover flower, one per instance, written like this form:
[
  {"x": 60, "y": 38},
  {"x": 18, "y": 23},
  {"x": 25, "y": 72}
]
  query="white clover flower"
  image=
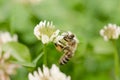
[
  {"x": 112, "y": 31},
  {"x": 6, "y": 37},
  {"x": 46, "y": 32},
  {"x": 48, "y": 74},
  {"x": 6, "y": 68}
]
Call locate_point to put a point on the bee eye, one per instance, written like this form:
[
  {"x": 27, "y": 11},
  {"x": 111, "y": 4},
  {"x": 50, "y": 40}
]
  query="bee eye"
[{"x": 72, "y": 36}]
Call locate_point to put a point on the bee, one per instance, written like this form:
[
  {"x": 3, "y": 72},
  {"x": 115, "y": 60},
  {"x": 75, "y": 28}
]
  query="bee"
[{"x": 67, "y": 43}]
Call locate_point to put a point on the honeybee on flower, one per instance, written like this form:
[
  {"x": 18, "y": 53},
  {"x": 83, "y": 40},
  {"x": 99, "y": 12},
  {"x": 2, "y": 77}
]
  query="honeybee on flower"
[{"x": 66, "y": 43}]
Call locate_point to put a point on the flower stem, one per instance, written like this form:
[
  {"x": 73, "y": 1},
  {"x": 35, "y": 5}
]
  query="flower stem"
[
  {"x": 45, "y": 55},
  {"x": 116, "y": 61}
]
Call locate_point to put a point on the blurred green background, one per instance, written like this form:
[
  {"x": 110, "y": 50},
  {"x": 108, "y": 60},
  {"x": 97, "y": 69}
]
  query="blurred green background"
[{"x": 94, "y": 58}]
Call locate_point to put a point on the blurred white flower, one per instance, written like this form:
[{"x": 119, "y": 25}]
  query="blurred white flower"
[
  {"x": 48, "y": 74},
  {"x": 6, "y": 68},
  {"x": 46, "y": 32},
  {"x": 6, "y": 37},
  {"x": 112, "y": 31}
]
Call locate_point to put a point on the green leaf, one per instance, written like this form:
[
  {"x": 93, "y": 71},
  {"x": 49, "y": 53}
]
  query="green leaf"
[
  {"x": 25, "y": 64},
  {"x": 37, "y": 59},
  {"x": 18, "y": 51}
]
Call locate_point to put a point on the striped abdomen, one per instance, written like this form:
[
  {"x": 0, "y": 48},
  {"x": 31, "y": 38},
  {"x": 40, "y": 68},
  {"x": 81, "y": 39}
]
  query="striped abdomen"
[{"x": 66, "y": 56}]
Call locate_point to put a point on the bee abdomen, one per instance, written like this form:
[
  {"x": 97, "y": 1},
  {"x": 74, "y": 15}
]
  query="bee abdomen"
[{"x": 65, "y": 58}]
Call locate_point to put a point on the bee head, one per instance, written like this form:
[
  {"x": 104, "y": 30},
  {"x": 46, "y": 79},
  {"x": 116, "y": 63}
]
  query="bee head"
[
  {"x": 68, "y": 37},
  {"x": 71, "y": 36}
]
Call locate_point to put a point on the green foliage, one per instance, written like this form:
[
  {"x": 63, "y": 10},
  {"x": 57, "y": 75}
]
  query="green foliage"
[
  {"x": 94, "y": 58},
  {"x": 19, "y": 51}
]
